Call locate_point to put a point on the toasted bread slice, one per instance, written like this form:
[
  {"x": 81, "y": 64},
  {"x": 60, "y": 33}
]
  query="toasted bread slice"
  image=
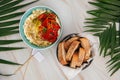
[
  {"x": 75, "y": 60},
  {"x": 68, "y": 42},
  {"x": 86, "y": 45},
  {"x": 62, "y": 53},
  {"x": 81, "y": 56},
  {"x": 71, "y": 50},
  {"x": 87, "y": 55}
]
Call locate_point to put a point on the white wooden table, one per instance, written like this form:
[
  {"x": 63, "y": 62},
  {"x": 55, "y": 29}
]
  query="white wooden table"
[{"x": 73, "y": 14}]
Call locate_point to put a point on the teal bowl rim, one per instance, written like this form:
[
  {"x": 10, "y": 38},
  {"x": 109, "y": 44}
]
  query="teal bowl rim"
[{"x": 21, "y": 29}]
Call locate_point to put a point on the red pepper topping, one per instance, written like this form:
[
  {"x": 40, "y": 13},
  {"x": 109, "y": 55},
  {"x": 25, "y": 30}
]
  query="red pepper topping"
[{"x": 49, "y": 26}]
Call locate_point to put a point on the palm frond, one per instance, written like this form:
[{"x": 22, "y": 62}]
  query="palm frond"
[
  {"x": 8, "y": 12},
  {"x": 95, "y": 26},
  {"x": 9, "y": 16},
  {"x": 117, "y": 50},
  {"x": 4, "y": 2},
  {"x": 10, "y": 48},
  {"x": 6, "y": 74},
  {"x": 96, "y": 22},
  {"x": 103, "y": 25},
  {"x": 94, "y": 30},
  {"x": 12, "y": 9},
  {"x": 11, "y": 4},
  {"x": 118, "y": 33},
  {"x": 113, "y": 39},
  {"x": 105, "y": 6},
  {"x": 112, "y": 2},
  {"x": 115, "y": 67},
  {"x": 113, "y": 59},
  {"x": 6, "y": 29},
  {"x": 105, "y": 15},
  {"x": 8, "y": 23},
  {"x": 2, "y": 61},
  {"x": 105, "y": 41},
  {"x": 8, "y": 33},
  {"x": 8, "y": 62},
  {"x": 99, "y": 19},
  {"x": 3, "y": 42}
]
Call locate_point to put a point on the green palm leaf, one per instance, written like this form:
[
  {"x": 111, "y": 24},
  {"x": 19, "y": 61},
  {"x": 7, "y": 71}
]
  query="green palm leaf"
[
  {"x": 3, "y": 42},
  {"x": 106, "y": 11},
  {"x": 95, "y": 26},
  {"x": 8, "y": 33},
  {"x": 12, "y": 9},
  {"x": 11, "y": 4},
  {"x": 93, "y": 30},
  {"x": 104, "y": 26},
  {"x": 8, "y": 62},
  {"x": 96, "y": 22},
  {"x": 9, "y": 16},
  {"x": 99, "y": 19},
  {"x": 10, "y": 48},
  {"x": 4, "y": 2},
  {"x": 105, "y": 6},
  {"x": 115, "y": 67},
  {"x": 8, "y": 23},
  {"x": 113, "y": 2},
  {"x": 6, "y": 74},
  {"x": 113, "y": 39},
  {"x": 6, "y": 29},
  {"x": 104, "y": 15},
  {"x": 117, "y": 50},
  {"x": 8, "y": 12},
  {"x": 113, "y": 59}
]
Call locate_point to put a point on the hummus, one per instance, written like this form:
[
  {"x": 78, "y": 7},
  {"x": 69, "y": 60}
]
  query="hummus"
[{"x": 31, "y": 28}]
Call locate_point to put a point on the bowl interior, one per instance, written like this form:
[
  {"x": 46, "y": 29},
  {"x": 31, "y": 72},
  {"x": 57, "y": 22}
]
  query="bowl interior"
[{"x": 21, "y": 27}]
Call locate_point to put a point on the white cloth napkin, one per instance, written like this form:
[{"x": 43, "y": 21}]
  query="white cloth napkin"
[{"x": 37, "y": 55}]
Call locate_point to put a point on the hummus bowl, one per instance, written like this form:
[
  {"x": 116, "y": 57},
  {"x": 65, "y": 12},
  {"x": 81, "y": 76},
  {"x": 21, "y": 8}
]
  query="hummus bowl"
[{"x": 40, "y": 27}]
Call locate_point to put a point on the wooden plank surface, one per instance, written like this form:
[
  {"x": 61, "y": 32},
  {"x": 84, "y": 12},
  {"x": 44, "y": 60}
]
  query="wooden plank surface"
[{"x": 72, "y": 14}]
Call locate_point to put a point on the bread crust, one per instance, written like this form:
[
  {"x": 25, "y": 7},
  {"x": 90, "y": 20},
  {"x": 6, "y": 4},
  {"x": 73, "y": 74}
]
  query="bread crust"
[
  {"x": 86, "y": 45},
  {"x": 71, "y": 50},
  {"x": 68, "y": 42},
  {"x": 62, "y": 54},
  {"x": 75, "y": 60},
  {"x": 81, "y": 56}
]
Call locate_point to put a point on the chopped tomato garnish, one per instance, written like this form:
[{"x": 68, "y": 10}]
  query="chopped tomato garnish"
[
  {"x": 49, "y": 26},
  {"x": 42, "y": 16}
]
